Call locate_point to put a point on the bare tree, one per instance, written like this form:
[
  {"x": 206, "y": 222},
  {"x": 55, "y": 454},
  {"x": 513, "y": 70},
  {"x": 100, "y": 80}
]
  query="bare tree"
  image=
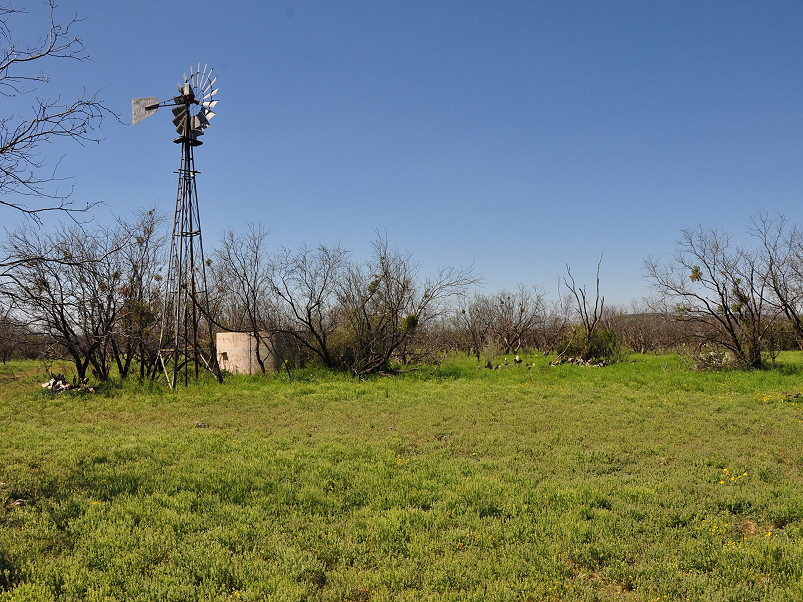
[
  {"x": 385, "y": 307},
  {"x": 305, "y": 284},
  {"x": 553, "y": 329},
  {"x": 357, "y": 317},
  {"x": 23, "y": 169},
  {"x": 508, "y": 319},
  {"x": 12, "y": 333},
  {"x": 473, "y": 320},
  {"x": 640, "y": 327},
  {"x": 722, "y": 286},
  {"x": 242, "y": 272},
  {"x": 66, "y": 282},
  {"x": 516, "y": 316},
  {"x": 93, "y": 293},
  {"x": 136, "y": 335},
  {"x": 781, "y": 258}
]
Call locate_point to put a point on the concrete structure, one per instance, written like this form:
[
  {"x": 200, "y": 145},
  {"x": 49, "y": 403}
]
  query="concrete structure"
[{"x": 237, "y": 352}]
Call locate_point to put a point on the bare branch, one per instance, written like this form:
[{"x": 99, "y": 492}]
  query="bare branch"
[{"x": 23, "y": 169}]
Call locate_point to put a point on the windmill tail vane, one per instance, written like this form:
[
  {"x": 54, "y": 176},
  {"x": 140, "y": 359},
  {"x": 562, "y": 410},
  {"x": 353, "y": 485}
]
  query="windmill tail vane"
[
  {"x": 186, "y": 337},
  {"x": 144, "y": 107}
]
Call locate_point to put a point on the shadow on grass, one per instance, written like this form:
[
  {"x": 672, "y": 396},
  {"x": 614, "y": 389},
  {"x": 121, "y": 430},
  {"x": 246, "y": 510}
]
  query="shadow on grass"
[{"x": 787, "y": 369}]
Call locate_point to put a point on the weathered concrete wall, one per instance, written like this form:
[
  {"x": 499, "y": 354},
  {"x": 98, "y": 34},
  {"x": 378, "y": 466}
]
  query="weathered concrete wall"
[{"x": 236, "y": 352}]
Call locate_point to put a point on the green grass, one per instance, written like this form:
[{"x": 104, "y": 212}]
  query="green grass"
[{"x": 640, "y": 481}]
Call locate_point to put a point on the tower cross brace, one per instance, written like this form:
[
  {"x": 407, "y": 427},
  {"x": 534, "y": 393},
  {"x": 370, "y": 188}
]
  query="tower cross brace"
[{"x": 186, "y": 343}]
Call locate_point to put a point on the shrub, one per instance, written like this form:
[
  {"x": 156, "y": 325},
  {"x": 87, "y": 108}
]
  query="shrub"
[{"x": 601, "y": 346}]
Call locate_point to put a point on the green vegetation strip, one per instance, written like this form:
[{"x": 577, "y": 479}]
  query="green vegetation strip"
[{"x": 640, "y": 481}]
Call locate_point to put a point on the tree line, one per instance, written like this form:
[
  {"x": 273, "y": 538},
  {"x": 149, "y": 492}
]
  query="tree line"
[{"x": 92, "y": 294}]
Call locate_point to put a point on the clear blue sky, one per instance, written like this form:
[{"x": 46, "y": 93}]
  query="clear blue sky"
[{"x": 519, "y": 136}]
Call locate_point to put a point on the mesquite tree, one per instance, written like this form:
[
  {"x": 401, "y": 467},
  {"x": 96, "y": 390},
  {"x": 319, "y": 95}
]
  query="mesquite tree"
[
  {"x": 781, "y": 258},
  {"x": 93, "y": 293},
  {"x": 305, "y": 283},
  {"x": 66, "y": 285},
  {"x": 386, "y": 306},
  {"x": 725, "y": 287}
]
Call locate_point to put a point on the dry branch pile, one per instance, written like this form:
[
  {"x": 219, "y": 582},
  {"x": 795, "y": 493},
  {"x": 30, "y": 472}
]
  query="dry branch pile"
[{"x": 58, "y": 383}]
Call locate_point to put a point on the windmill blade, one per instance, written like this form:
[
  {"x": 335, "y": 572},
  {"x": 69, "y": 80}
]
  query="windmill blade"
[
  {"x": 197, "y": 124},
  {"x": 203, "y": 78},
  {"x": 212, "y": 93},
  {"x": 208, "y": 86},
  {"x": 209, "y": 104},
  {"x": 142, "y": 108},
  {"x": 180, "y": 116}
]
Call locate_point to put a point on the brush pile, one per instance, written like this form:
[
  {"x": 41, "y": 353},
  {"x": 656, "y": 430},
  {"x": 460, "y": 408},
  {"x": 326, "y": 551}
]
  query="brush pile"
[{"x": 58, "y": 384}]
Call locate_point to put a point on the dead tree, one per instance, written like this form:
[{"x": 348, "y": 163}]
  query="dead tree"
[{"x": 587, "y": 317}]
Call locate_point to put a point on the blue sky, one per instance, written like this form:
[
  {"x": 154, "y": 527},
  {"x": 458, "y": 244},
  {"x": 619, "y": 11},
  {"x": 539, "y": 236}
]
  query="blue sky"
[{"x": 517, "y": 136}]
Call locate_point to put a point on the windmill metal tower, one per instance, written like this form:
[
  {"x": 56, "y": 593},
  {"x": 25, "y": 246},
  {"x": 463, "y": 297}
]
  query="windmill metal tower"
[{"x": 186, "y": 343}]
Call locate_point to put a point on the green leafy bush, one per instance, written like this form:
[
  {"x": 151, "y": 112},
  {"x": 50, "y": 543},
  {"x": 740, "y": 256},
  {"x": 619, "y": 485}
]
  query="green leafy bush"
[{"x": 599, "y": 346}]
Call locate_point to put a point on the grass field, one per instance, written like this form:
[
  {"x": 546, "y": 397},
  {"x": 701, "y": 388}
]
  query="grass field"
[{"x": 639, "y": 481}]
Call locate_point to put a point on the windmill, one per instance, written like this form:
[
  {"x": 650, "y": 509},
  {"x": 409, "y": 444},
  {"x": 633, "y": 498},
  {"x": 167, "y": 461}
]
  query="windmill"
[{"x": 186, "y": 325}]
